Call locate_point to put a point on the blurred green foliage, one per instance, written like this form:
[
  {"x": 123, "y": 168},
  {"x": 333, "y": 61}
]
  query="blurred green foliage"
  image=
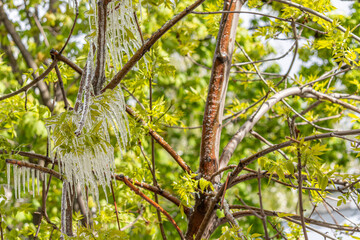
[{"x": 178, "y": 66}]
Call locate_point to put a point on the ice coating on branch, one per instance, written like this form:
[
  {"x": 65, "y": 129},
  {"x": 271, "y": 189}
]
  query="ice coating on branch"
[
  {"x": 86, "y": 157},
  {"x": 122, "y": 34}
]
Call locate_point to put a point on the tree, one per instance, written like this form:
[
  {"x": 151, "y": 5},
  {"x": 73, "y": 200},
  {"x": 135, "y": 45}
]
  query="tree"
[{"x": 216, "y": 124}]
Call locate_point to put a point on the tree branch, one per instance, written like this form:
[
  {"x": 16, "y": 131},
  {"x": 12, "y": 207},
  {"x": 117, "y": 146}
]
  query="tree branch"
[
  {"x": 156, "y": 190},
  {"x": 44, "y": 92},
  {"x": 160, "y": 141},
  {"x": 309, "y": 10},
  {"x": 31, "y": 84},
  {"x": 34, "y": 166},
  {"x": 146, "y": 198},
  {"x": 148, "y": 44}
]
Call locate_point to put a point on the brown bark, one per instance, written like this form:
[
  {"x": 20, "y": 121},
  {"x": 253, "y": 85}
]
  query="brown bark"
[
  {"x": 209, "y": 156},
  {"x": 214, "y": 108}
]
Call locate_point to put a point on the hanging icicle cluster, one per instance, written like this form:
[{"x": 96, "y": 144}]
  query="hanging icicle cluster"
[
  {"x": 81, "y": 137},
  {"x": 22, "y": 176},
  {"x": 82, "y": 140},
  {"x": 122, "y": 33}
]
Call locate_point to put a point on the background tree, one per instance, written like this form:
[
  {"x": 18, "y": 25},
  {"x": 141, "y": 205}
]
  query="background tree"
[{"x": 226, "y": 139}]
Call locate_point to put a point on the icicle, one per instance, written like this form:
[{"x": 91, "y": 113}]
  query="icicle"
[
  {"x": 28, "y": 179},
  {"x": 15, "y": 179},
  {"x": 23, "y": 172},
  {"x": 120, "y": 20},
  {"x": 8, "y": 168},
  {"x": 19, "y": 182},
  {"x": 33, "y": 181},
  {"x": 38, "y": 182}
]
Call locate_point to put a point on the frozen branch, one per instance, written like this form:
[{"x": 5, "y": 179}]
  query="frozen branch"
[
  {"x": 34, "y": 166},
  {"x": 148, "y": 44},
  {"x": 98, "y": 78},
  {"x": 30, "y": 155}
]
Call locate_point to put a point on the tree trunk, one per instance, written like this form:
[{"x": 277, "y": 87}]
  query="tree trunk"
[{"x": 213, "y": 116}]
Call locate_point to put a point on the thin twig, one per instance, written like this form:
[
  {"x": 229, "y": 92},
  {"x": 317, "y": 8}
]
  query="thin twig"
[
  {"x": 196, "y": 63},
  {"x": 116, "y": 210},
  {"x": 72, "y": 28},
  {"x": 301, "y": 206},
  {"x": 160, "y": 140},
  {"x": 153, "y": 163},
  {"x": 261, "y": 14},
  {"x": 30, "y": 155},
  {"x": 157, "y": 190},
  {"x": 32, "y": 83},
  {"x": 309, "y": 10},
  {"x": 263, "y": 218},
  {"x": 261, "y": 138},
  {"x": 1, "y": 229},
  {"x": 61, "y": 84},
  {"x": 133, "y": 222},
  {"x": 139, "y": 29},
  {"x": 38, "y": 24},
  {"x": 267, "y": 60},
  {"x": 157, "y": 206},
  {"x": 65, "y": 60}
]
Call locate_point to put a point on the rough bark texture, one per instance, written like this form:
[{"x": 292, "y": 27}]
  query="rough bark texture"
[
  {"x": 214, "y": 108},
  {"x": 217, "y": 90}
]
